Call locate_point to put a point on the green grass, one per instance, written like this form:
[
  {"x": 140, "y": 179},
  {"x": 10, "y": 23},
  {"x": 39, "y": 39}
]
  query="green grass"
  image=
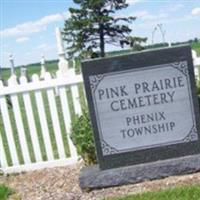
[
  {"x": 5, "y": 192},
  {"x": 31, "y": 69},
  {"x": 178, "y": 193},
  {"x": 51, "y": 66}
]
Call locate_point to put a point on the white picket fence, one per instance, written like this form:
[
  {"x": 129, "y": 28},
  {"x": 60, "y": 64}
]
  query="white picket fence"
[{"x": 25, "y": 93}]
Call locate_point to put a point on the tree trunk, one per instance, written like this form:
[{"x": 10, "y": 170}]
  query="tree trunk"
[{"x": 102, "y": 42}]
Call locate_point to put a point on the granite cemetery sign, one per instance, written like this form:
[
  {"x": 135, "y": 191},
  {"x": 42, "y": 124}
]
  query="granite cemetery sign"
[{"x": 143, "y": 106}]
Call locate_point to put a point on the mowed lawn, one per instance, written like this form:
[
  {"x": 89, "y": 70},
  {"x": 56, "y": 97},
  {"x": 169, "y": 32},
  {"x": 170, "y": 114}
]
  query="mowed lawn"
[
  {"x": 31, "y": 69},
  {"x": 178, "y": 193}
]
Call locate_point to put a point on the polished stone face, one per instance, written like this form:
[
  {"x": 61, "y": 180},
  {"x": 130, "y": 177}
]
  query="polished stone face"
[{"x": 143, "y": 106}]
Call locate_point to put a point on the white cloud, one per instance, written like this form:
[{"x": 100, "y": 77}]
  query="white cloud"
[
  {"x": 176, "y": 7},
  {"x": 146, "y": 16},
  {"x": 137, "y": 14},
  {"x": 22, "y": 39},
  {"x": 46, "y": 47},
  {"x": 165, "y": 20},
  {"x": 149, "y": 17},
  {"x": 33, "y": 26},
  {"x": 132, "y": 2},
  {"x": 140, "y": 13},
  {"x": 196, "y": 11},
  {"x": 42, "y": 46}
]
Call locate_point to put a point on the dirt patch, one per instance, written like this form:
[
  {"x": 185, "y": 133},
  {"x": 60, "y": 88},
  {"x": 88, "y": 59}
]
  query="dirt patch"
[{"x": 62, "y": 184}]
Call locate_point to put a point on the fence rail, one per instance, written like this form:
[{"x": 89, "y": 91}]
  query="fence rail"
[{"x": 35, "y": 121}]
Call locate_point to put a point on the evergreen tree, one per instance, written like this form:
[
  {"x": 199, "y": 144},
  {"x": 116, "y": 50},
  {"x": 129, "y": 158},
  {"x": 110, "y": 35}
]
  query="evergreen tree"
[{"x": 93, "y": 23}]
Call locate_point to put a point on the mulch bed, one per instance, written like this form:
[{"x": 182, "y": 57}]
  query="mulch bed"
[{"x": 62, "y": 184}]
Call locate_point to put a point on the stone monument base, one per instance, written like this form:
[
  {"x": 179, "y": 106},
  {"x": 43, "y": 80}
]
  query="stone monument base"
[{"x": 94, "y": 178}]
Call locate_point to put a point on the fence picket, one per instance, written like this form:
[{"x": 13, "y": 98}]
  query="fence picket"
[
  {"x": 84, "y": 96},
  {"x": 8, "y": 128},
  {"x": 76, "y": 100},
  {"x": 43, "y": 120},
  {"x": 3, "y": 161},
  {"x": 19, "y": 123},
  {"x": 31, "y": 122},
  {"x": 55, "y": 119},
  {"x": 67, "y": 119}
]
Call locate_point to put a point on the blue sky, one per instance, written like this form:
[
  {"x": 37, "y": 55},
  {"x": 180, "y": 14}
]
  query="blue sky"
[{"x": 27, "y": 27}]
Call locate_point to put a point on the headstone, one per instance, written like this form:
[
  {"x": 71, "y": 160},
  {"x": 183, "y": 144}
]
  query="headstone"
[
  {"x": 43, "y": 68},
  {"x": 63, "y": 63},
  {"x": 12, "y": 66},
  {"x": 23, "y": 71},
  {"x": 144, "y": 112}
]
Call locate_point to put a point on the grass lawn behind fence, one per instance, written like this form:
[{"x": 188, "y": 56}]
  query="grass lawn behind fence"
[
  {"x": 178, "y": 193},
  {"x": 5, "y": 192},
  {"x": 32, "y": 69}
]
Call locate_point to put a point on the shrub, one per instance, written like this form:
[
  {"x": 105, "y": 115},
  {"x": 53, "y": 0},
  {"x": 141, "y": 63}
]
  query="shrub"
[{"x": 82, "y": 137}]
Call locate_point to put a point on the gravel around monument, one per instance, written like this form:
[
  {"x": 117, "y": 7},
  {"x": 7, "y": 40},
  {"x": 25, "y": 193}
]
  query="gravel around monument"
[{"x": 62, "y": 184}]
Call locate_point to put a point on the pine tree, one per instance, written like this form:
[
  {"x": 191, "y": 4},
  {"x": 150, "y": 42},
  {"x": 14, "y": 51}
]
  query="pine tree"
[{"x": 93, "y": 23}]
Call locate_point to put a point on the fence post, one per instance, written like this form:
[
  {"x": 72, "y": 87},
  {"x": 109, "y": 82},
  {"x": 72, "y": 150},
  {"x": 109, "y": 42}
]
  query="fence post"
[{"x": 64, "y": 71}]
